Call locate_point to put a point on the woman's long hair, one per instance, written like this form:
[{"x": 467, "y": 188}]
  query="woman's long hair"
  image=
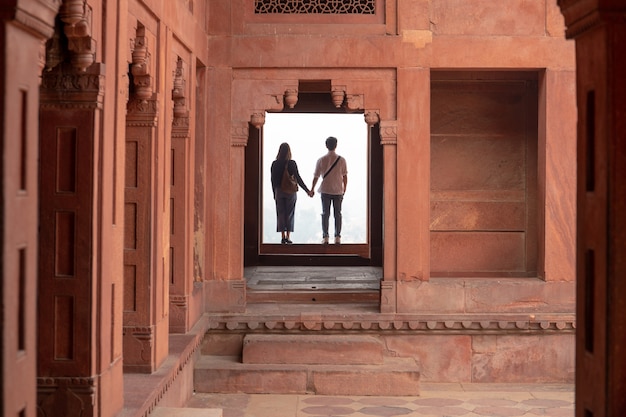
[{"x": 284, "y": 152}]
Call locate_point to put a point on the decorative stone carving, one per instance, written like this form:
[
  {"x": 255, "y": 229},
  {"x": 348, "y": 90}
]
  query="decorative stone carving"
[
  {"x": 354, "y": 102},
  {"x": 239, "y": 134},
  {"x": 257, "y": 119},
  {"x": 359, "y": 7},
  {"x": 338, "y": 95},
  {"x": 388, "y": 132},
  {"x": 371, "y": 117},
  {"x": 140, "y": 68},
  {"x": 62, "y": 87},
  {"x": 76, "y": 15},
  {"x": 291, "y": 97},
  {"x": 178, "y": 91}
]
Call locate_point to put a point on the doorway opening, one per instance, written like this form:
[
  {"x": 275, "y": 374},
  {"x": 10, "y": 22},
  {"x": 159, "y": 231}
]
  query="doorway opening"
[{"x": 305, "y": 127}]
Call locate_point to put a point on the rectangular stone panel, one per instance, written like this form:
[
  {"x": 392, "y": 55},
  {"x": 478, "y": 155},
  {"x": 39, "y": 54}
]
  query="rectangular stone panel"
[
  {"x": 477, "y": 215},
  {"x": 63, "y": 327},
  {"x": 488, "y": 17},
  {"x": 66, "y": 160},
  {"x": 477, "y": 251},
  {"x": 130, "y": 288},
  {"x": 64, "y": 243},
  {"x": 479, "y": 107},
  {"x": 478, "y": 162},
  {"x": 130, "y": 225},
  {"x": 132, "y": 158}
]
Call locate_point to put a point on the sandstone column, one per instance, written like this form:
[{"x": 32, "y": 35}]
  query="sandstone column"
[
  {"x": 599, "y": 29},
  {"x": 145, "y": 293},
  {"x": 23, "y": 31}
]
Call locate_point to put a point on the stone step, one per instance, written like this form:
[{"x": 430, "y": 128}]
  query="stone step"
[
  {"x": 228, "y": 375},
  {"x": 185, "y": 412},
  {"x": 312, "y": 349}
]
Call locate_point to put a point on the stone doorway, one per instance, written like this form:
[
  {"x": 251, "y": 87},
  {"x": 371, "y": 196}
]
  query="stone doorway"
[
  {"x": 313, "y": 97},
  {"x": 301, "y": 261}
]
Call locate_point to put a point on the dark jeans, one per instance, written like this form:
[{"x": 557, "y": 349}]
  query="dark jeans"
[
  {"x": 285, "y": 211},
  {"x": 336, "y": 200}
]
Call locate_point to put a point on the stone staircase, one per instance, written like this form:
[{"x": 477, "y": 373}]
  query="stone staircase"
[{"x": 309, "y": 364}]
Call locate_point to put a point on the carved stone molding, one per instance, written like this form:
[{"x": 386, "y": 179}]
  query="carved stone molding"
[
  {"x": 142, "y": 113},
  {"x": 76, "y": 394},
  {"x": 239, "y": 134},
  {"x": 389, "y": 132},
  {"x": 63, "y": 87},
  {"x": 389, "y": 323}
]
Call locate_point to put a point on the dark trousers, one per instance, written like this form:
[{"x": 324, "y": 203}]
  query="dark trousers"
[{"x": 336, "y": 200}]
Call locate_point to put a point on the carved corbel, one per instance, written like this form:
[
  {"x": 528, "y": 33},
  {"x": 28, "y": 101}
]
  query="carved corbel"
[
  {"x": 76, "y": 16},
  {"x": 389, "y": 132},
  {"x": 178, "y": 91},
  {"x": 371, "y": 117},
  {"x": 239, "y": 134},
  {"x": 180, "y": 124},
  {"x": 291, "y": 97},
  {"x": 338, "y": 95},
  {"x": 257, "y": 119},
  {"x": 140, "y": 68},
  {"x": 354, "y": 102}
]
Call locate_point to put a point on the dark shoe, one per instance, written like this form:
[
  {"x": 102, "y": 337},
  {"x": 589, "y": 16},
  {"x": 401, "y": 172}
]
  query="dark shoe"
[
  {"x": 283, "y": 241},
  {"x": 287, "y": 241}
]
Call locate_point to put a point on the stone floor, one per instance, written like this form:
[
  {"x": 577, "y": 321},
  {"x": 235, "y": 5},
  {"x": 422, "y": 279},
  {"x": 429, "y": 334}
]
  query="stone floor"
[{"x": 436, "y": 400}]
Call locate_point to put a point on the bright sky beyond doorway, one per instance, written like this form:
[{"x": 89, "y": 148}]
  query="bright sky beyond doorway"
[{"x": 306, "y": 134}]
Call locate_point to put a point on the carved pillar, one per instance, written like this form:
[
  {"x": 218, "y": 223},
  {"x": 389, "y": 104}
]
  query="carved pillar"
[
  {"x": 145, "y": 326},
  {"x": 599, "y": 28},
  {"x": 389, "y": 140},
  {"x": 70, "y": 288},
  {"x": 181, "y": 213}
]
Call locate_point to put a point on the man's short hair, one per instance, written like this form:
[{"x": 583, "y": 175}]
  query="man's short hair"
[{"x": 331, "y": 143}]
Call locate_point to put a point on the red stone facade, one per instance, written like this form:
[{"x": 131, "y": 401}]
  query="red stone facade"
[{"x": 128, "y": 128}]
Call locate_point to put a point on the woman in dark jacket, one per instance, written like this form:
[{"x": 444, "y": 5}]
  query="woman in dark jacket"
[{"x": 285, "y": 202}]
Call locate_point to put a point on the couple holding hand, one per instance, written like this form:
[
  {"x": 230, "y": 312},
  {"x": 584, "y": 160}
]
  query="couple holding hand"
[{"x": 334, "y": 172}]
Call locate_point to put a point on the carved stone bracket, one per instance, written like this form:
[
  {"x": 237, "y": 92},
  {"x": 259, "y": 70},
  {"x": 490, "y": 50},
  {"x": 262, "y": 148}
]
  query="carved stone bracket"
[
  {"x": 291, "y": 97},
  {"x": 389, "y": 132},
  {"x": 239, "y": 134},
  {"x": 76, "y": 16},
  {"x": 371, "y": 117},
  {"x": 257, "y": 119},
  {"x": 140, "y": 68},
  {"x": 180, "y": 123},
  {"x": 338, "y": 95}
]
